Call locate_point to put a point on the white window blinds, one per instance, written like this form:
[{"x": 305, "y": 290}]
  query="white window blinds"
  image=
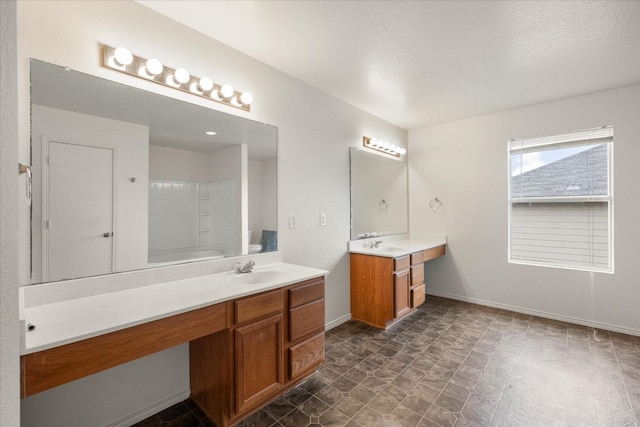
[{"x": 560, "y": 191}]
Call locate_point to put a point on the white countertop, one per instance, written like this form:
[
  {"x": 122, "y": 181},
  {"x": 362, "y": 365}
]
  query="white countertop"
[
  {"x": 393, "y": 248},
  {"x": 73, "y": 320}
]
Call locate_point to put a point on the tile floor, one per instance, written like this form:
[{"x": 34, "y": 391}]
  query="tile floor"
[{"x": 454, "y": 363}]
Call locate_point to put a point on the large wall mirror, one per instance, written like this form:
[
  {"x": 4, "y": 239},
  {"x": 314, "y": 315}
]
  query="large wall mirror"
[
  {"x": 125, "y": 179},
  {"x": 379, "y": 195}
]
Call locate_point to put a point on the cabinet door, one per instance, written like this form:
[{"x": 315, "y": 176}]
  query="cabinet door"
[
  {"x": 259, "y": 361},
  {"x": 401, "y": 293}
]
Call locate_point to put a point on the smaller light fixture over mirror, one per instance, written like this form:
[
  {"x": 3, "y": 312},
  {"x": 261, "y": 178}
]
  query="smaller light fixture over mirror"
[
  {"x": 121, "y": 59},
  {"x": 383, "y": 147}
]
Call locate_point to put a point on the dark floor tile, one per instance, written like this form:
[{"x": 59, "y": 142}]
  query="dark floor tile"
[
  {"x": 279, "y": 408},
  {"x": 173, "y": 412},
  {"x": 344, "y": 384},
  {"x": 395, "y": 393},
  {"x": 404, "y": 417},
  {"x": 295, "y": 418},
  {"x": 184, "y": 420},
  {"x": 369, "y": 418},
  {"x": 334, "y": 418},
  {"x": 329, "y": 395},
  {"x": 416, "y": 404},
  {"x": 349, "y": 406},
  {"x": 259, "y": 419},
  {"x": 441, "y": 415},
  {"x": 313, "y": 407},
  {"x": 453, "y": 363},
  {"x": 152, "y": 421}
]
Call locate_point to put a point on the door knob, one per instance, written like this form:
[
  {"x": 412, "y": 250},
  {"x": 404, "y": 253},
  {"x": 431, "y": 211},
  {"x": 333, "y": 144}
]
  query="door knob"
[{"x": 107, "y": 234}]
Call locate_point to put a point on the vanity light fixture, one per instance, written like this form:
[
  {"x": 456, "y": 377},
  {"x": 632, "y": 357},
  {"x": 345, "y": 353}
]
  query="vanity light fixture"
[
  {"x": 383, "y": 147},
  {"x": 121, "y": 59},
  {"x": 210, "y": 132}
]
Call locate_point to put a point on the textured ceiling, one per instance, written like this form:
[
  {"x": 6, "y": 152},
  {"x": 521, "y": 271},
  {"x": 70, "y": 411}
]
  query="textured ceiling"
[{"x": 416, "y": 63}]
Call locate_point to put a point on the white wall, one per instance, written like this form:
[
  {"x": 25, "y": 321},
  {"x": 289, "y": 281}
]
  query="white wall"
[
  {"x": 314, "y": 133},
  {"x": 464, "y": 163},
  {"x": 9, "y": 336},
  {"x": 130, "y": 143}
]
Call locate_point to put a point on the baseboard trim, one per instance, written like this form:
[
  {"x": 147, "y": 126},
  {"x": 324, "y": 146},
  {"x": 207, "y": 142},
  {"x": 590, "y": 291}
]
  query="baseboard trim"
[
  {"x": 339, "y": 321},
  {"x": 578, "y": 321},
  {"x": 152, "y": 409}
]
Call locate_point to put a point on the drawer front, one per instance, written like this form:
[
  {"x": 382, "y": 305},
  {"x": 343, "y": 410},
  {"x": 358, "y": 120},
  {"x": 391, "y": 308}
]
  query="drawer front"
[
  {"x": 432, "y": 253},
  {"x": 258, "y": 306},
  {"x": 401, "y": 263},
  {"x": 417, "y": 274},
  {"x": 306, "y": 355},
  {"x": 59, "y": 365},
  {"x": 306, "y": 319},
  {"x": 418, "y": 296},
  {"x": 417, "y": 258},
  {"x": 306, "y": 293}
]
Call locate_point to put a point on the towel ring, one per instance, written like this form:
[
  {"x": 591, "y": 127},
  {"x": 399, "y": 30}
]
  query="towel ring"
[{"x": 435, "y": 204}]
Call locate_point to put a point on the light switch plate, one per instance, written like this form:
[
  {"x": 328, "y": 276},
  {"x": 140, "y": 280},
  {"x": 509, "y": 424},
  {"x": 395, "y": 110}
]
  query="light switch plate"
[{"x": 293, "y": 221}]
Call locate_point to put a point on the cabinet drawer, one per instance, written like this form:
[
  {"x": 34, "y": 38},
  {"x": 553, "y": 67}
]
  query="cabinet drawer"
[
  {"x": 306, "y": 293},
  {"x": 417, "y": 258},
  {"x": 432, "y": 253},
  {"x": 306, "y": 319},
  {"x": 417, "y": 296},
  {"x": 417, "y": 274},
  {"x": 258, "y": 306},
  {"x": 401, "y": 263},
  {"x": 306, "y": 355}
]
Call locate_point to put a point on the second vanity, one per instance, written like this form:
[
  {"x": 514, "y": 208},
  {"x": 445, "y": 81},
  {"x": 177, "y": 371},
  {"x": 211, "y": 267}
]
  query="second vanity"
[
  {"x": 387, "y": 276},
  {"x": 251, "y": 336}
]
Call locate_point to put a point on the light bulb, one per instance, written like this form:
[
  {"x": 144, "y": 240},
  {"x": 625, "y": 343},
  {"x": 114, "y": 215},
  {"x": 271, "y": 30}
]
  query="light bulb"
[
  {"x": 373, "y": 142},
  {"x": 181, "y": 76},
  {"x": 154, "y": 67},
  {"x": 122, "y": 56},
  {"x": 392, "y": 147},
  {"x": 246, "y": 98},
  {"x": 403, "y": 151},
  {"x": 205, "y": 84},
  {"x": 215, "y": 94},
  {"x": 226, "y": 91},
  {"x": 385, "y": 145}
]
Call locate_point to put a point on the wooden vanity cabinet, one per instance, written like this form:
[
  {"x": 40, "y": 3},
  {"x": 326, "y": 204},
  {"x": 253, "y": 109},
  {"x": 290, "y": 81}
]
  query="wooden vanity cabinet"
[
  {"x": 276, "y": 339},
  {"x": 384, "y": 289}
]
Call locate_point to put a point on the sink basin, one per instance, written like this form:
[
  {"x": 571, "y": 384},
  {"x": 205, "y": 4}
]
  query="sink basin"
[
  {"x": 389, "y": 249},
  {"x": 256, "y": 277}
]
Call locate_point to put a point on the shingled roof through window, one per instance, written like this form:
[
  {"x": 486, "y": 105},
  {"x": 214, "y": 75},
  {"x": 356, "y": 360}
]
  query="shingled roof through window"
[{"x": 582, "y": 174}]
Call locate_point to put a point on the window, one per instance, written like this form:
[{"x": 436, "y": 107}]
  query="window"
[{"x": 561, "y": 200}]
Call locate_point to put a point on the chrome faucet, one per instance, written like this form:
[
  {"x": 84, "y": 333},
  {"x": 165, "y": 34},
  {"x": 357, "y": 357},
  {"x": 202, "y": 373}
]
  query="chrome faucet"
[
  {"x": 374, "y": 244},
  {"x": 244, "y": 268}
]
